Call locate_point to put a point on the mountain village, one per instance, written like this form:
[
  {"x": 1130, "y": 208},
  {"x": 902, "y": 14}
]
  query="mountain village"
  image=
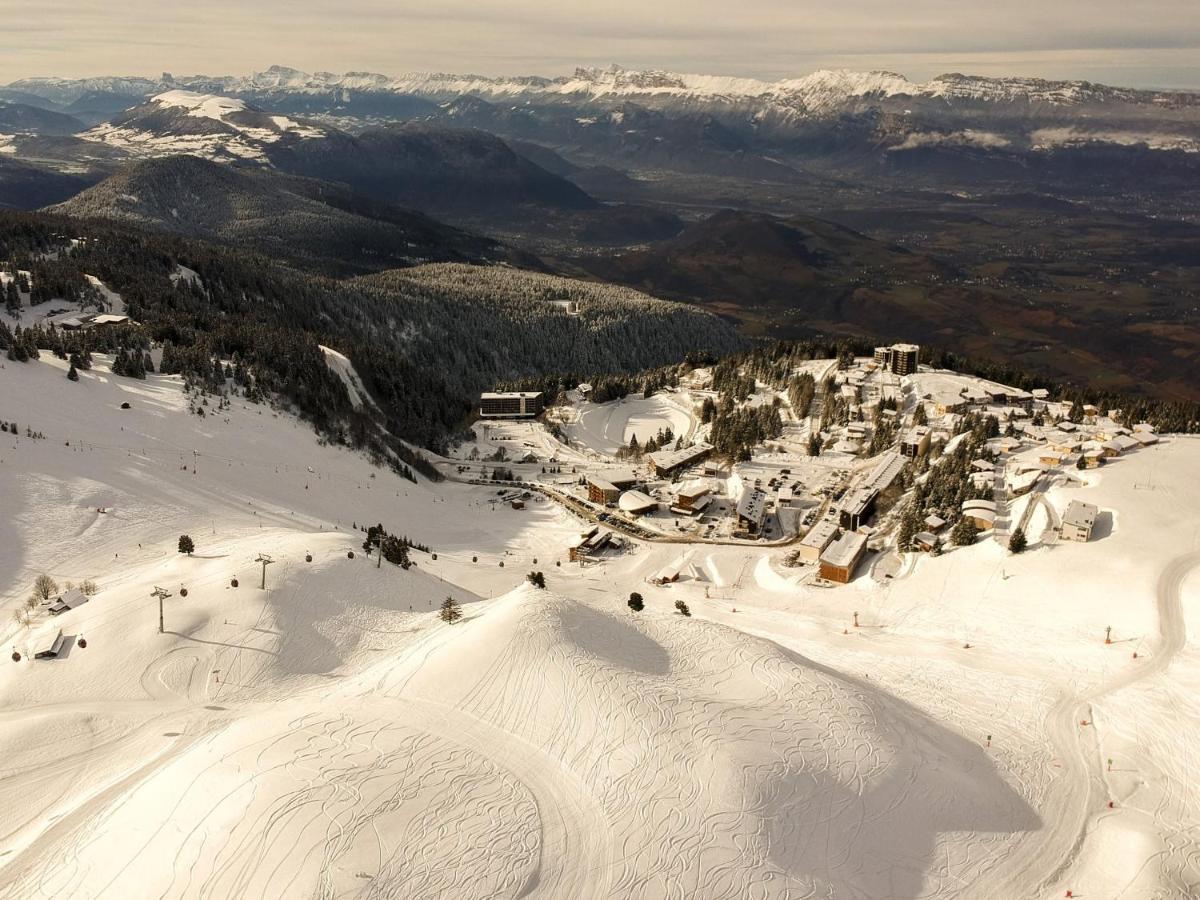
[{"x": 838, "y": 512}]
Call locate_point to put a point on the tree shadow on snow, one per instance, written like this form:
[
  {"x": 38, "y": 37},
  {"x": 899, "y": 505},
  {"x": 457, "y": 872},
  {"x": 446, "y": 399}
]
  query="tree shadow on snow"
[{"x": 615, "y": 640}]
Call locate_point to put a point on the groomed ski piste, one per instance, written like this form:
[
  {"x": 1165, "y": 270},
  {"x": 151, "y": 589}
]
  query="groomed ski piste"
[{"x": 330, "y": 736}]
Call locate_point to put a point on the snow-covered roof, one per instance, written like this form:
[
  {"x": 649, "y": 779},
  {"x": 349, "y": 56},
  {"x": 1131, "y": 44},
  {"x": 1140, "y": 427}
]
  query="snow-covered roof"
[
  {"x": 820, "y": 535},
  {"x": 845, "y": 550},
  {"x": 671, "y": 459},
  {"x": 68, "y": 600},
  {"x": 636, "y": 502},
  {"x": 1080, "y": 514},
  {"x": 693, "y": 489}
]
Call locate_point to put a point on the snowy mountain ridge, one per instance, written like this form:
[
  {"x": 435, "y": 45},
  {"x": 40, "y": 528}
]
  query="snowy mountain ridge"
[
  {"x": 817, "y": 93},
  {"x": 207, "y": 125}
]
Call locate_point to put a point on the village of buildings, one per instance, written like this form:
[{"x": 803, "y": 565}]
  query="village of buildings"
[{"x": 832, "y": 512}]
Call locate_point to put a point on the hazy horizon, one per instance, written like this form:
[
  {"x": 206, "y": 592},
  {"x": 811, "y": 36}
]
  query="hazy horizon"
[{"x": 1074, "y": 39}]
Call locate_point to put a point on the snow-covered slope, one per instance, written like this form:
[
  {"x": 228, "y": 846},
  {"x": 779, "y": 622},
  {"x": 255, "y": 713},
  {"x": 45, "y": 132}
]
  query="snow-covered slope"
[
  {"x": 330, "y": 736},
  {"x": 207, "y": 125}
]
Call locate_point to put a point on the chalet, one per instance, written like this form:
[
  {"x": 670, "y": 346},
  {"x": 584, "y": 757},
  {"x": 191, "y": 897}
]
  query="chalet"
[
  {"x": 1021, "y": 482},
  {"x": 935, "y": 523},
  {"x": 70, "y": 600},
  {"x": 87, "y": 321},
  {"x": 982, "y": 512},
  {"x": 1125, "y": 442},
  {"x": 1145, "y": 438},
  {"x": 53, "y": 647},
  {"x": 924, "y": 540}
]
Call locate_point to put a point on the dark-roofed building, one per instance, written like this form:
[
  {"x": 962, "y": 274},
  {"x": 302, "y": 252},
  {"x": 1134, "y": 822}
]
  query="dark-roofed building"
[
  {"x": 857, "y": 507},
  {"x": 899, "y": 358},
  {"x": 751, "y": 508},
  {"x": 510, "y": 404}
]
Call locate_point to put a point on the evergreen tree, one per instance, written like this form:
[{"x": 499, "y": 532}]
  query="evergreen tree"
[
  {"x": 965, "y": 532},
  {"x": 450, "y": 611},
  {"x": 186, "y": 544},
  {"x": 910, "y": 525},
  {"x": 682, "y": 608},
  {"x": 635, "y": 602},
  {"x": 1016, "y": 543},
  {"x": 72, "y": 374}
]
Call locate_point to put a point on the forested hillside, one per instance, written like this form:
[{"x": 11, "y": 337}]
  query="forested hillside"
[
  {"x": 318, "y": 224},
  {"x": 425, "y": 341}
]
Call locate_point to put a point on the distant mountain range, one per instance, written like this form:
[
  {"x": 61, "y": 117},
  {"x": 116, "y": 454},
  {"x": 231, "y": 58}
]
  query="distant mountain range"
[
  {"x": 869, "y": 123},
  {"x": 819, "y": 93}
]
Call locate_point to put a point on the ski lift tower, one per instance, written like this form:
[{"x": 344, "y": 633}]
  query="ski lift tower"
[{"x": 266, "y": 561}]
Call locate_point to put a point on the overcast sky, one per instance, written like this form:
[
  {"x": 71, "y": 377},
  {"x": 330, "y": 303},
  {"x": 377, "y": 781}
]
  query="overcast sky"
[{"x": 1127, "y": 42}]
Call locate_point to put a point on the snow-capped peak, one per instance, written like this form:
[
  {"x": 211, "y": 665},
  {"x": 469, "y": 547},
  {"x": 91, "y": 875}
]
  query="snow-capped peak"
[
  {"x": 202, "y": 124},
  {"x": 202, "y": 106}
]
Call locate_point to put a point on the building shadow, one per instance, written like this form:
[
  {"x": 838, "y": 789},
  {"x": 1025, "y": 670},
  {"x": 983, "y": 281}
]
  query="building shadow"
[{"x": 1103, "y": 526}]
